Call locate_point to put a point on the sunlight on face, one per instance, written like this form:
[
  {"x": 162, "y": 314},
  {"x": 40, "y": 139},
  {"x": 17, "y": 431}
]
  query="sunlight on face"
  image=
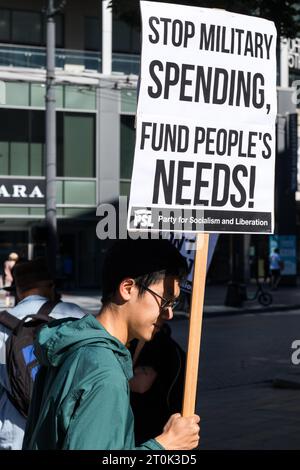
[{"x": 146, "y": 316}]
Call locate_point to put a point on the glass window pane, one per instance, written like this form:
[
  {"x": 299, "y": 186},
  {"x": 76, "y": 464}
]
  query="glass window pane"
[
  {"x": 125, "y": 188},
  {"x": 59, "y": 143},
  {"x": 27, "y": 27},
  {"x": 59, "y": 30},
  {"x": 4, "y": 153},
  {"x": 14, "y": 125},
  {"x": 80, "y": 97},
  {"x": 37, "y": 126},
  {"x": 19, "y": 158},
  {"x": 17, "y": 94},
  {"x": 4, "y": 25},
  {"x": 38, "y": 92},
  {"x": 59, "y": 192},
  {"x": 128, "y": 101},
  {"x": 36, "y": 159},
  {"x": 92, "y": 34},
  {"x": 79, "y": 211},
  {"x": 14, "y": 210},
  {"x": 135, "y": 42},
  {"x": 59, "y": 96},
  {"x": 79, "y": 148},
  {"x": 80, "y": 192},
  {"x": 121, "y": 36},
  {"x": 127, "y": 146},
  {"x": 36, "y": 211}
]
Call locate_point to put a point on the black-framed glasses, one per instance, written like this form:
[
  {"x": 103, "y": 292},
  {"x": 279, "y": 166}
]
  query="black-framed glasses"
[{"x": 166, "y": 303}]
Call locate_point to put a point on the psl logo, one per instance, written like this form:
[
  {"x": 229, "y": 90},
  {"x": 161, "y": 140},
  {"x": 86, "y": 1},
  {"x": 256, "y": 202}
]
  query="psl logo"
[{"x": 143, "y": 218}]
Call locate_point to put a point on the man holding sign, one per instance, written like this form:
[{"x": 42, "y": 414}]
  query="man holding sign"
[
  {"x": 205, "y": 140},
  {"x": 81, "y": 395}
]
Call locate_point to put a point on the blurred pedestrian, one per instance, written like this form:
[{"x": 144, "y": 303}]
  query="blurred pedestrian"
[
  {"x": 81, "y": 398},
  {"x": 34, "y": 286},
  {"x": 266, "y": 269},
  {"x": 8, "y": 276},
  {"x": 276, "y": 266},
  {"x": 158, "y": 383}
]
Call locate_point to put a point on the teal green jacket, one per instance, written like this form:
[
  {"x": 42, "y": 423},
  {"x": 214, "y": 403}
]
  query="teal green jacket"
[{"x": 81, "y": 394}]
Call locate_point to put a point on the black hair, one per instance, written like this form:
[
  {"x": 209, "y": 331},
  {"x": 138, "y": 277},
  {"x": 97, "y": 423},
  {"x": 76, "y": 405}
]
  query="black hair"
[{"x": 144, "y": 260}]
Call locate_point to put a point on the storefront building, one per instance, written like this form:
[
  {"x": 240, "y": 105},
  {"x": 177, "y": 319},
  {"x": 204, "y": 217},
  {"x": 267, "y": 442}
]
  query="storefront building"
[
  {"x": 96, "y": 76},
  {"x": 97, "y": 67}
]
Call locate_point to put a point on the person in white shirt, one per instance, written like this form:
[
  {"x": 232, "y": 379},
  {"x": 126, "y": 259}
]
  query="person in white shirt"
[{"x": 34, "y": 286}]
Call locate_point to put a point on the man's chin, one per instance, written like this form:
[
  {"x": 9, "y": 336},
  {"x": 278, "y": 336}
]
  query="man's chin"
[
  {"x": 154, "y": 331},
  {"x": 147, "y": 336}
]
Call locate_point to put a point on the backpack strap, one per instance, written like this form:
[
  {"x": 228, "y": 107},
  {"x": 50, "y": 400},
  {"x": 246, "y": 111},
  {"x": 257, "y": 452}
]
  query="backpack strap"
[
  {"x": 10, "y": 321},
  {"x": 43, "y": 312}
]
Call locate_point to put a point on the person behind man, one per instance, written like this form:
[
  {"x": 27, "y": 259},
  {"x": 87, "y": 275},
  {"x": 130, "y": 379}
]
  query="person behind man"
[
  {"x": 81, "y": 398},
  {"x": 158, "y": 382},
  {"x": 34, "y": 286},
  {"x": 8, "y": 276},
  {"x": 276, "y": 265},
  {"x": 8, "y": 267}
]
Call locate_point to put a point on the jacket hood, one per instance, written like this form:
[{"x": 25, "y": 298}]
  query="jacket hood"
[{"x": 59, "y": 338}]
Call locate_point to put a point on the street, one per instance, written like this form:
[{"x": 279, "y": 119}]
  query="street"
[
  {"x": 241, "y": 357},
  {"x": 239, "y": 360}
]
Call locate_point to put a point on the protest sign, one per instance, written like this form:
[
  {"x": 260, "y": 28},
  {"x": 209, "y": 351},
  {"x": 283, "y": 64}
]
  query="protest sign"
[{"x": 205, "y": 138}]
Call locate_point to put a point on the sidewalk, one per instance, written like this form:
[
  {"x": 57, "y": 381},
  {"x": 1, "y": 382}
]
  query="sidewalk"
[{"x": 285, "y": 298}]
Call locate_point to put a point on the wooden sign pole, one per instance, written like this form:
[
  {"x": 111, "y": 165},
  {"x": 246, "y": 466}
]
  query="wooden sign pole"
[{"x": 195, "y": 327}]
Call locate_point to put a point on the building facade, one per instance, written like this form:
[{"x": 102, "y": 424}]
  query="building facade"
[{"x": 97, "y": 63}]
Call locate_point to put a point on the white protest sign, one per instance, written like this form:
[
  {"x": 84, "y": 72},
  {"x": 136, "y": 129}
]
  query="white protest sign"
[{"x": 205, "y": 139}]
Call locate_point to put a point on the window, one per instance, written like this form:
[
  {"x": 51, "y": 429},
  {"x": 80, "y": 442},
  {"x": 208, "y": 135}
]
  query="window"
[
  {"x": 19, "y": 158},
  {"x": 79, "y": 97},
  {"x": 28, "y": 27},
  {"x": 22, "y": 143},
  {"x": 14, "y": 125},
  {"x": 127, "y": 146},
  {"x": 59, "y": 30},
  {"x": 79, "y": 192},
  {"x": 4, "y": 154},
  {"x": 125, "y": 38},
  {"x": 17, "y": 93},
  {"x": 4, "y": 25},
  {"x": 92, "y": 33},
  {"x": 78, "y": 145},
  {"x": 37, "y": 142}
]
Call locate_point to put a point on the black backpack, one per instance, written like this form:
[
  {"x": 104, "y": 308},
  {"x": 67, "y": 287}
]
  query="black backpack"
[{"x": 21, "y": 363}]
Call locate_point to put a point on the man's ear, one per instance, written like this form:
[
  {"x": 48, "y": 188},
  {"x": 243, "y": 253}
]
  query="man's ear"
[{"x": 125, "y": 288}]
